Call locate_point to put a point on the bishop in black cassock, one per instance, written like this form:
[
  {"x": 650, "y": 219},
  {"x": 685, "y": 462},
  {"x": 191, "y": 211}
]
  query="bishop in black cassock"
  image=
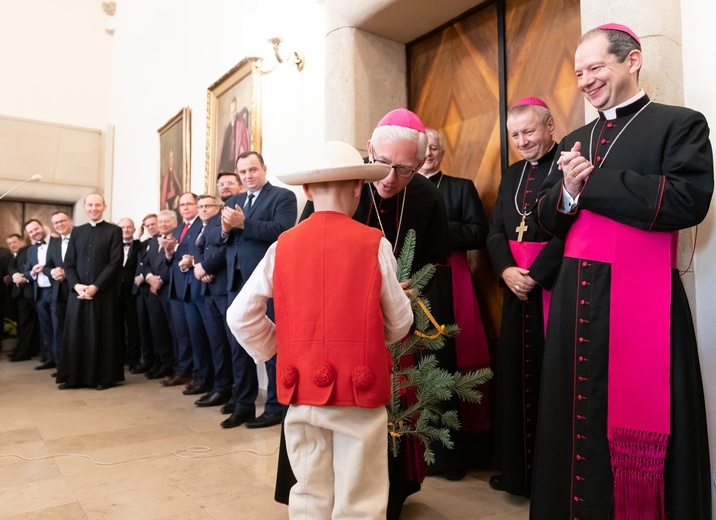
[
  {"x": 92, "y": 352},
  {"x": 622, "y": 435}
]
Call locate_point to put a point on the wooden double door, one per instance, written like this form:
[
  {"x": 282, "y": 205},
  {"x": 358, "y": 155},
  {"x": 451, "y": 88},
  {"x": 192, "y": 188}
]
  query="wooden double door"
[{"x": 464, "y": 77}]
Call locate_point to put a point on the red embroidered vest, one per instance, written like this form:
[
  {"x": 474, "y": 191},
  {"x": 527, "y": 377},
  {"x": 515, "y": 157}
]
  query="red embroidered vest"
[{"x": 329, "y": 322}]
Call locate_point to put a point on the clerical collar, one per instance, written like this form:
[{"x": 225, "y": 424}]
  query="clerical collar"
[
  {"x": 614, "y": 112},
  {"x": 431, "y": 175},
  {"x": 94, "y": 224},
  {"x": 546, "y": 157}
]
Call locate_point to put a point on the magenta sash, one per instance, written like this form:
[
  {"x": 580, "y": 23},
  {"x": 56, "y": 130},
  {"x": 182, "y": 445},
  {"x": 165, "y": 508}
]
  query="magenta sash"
[
  {"x": 638, "y": 413},
  {"x": 524, "y": 254}
]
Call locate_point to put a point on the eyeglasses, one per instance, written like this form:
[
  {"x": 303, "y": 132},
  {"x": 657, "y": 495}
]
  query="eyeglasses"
[
  {"x": 400, "y": 170},
  {"x": 227, "y": 183},
  {"x": 187, "y": 204},
  {"x": 205, "y": 206}
]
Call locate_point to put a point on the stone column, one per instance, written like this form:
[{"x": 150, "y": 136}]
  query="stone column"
[{"x": 365, "y": 78}]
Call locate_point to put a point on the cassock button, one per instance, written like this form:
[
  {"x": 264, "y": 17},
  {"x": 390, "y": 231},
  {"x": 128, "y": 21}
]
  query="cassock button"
[
  {"x": 582, "y": 302},
  {"x": 584, "y": 264},
  {"x": 609, "y": 125},
  {"x": 581, "y": 340},
  {"x": 383, "y": 211},
  {"x": 579, "y": 457},
  {"x": 599, "y": 158},
  {"x": 584, "y": 283}
]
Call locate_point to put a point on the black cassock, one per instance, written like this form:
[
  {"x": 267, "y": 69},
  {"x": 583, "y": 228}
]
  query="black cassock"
[
  {"x": 655, "y": 174},
  {"x": 522, "y": 332},
  {"x": 92, "y": 347}
]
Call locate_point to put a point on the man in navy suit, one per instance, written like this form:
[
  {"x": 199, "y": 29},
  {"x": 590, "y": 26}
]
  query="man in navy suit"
[
  {"x": 155, "y": 274},
  {"x": 187, "y": 301},
  {"x": 55, "y": 269},
  {"x": 215, "y": 301},
  {"x": 250, "y": 223},
  {"x": 34, "y": 271}
]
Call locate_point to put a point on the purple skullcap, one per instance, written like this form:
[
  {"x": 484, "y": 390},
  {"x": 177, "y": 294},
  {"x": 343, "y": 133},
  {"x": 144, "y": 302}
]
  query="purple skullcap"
[
  {"x": 621, "y": 28},
  {"x": 532, "y": 101},
  {"x": 402, "y": 117}
]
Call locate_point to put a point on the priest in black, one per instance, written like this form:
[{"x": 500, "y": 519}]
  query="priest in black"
[
  {"x": 467, "y": 230},
  {"x": 92, "y": 352},
  {"x": 527, "y": 260},
  {"x": 622, "y": 423}
]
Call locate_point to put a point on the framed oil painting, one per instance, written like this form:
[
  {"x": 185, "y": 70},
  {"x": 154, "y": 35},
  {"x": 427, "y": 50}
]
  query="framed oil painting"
[
  {"x": 233, "y": 119},
  {"x": 174, "y": 159}
]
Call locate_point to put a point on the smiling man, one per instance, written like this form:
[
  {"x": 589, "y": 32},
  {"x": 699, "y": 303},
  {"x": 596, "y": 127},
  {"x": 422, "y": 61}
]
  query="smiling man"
[
  {"x": 622, "y": 425},
  {"x": 527, "y": 260},
  {"x": 92, "y": 351}
]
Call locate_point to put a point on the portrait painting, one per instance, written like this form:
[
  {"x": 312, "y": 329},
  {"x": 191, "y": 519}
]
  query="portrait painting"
[
  {"x": 233, "y": 120},
  {"x": 174, "y": 159}
]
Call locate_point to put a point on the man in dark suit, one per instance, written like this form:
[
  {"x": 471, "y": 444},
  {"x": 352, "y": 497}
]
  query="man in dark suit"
[
  {"x": 187, "y": 301},
  {"x": 210, "y": 268},
  {"x": 215, "y": 303},
  {"x": 55, "y": 269},
  {"x": 28, "y": 329},
  {"x": 127, "y": 297},
  {"x": 156, "y": 275},
  {"x": 250, "y": 223},
  {"x": 140, "y": 290},
  {"x": 34, "y": 271}
]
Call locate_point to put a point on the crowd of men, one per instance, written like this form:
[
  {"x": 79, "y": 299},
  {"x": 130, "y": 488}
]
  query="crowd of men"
[{"x": 584, "y": 426}]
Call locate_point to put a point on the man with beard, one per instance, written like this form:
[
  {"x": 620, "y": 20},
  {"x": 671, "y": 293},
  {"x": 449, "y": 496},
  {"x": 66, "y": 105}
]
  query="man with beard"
[{"x": 37, "y": 275}]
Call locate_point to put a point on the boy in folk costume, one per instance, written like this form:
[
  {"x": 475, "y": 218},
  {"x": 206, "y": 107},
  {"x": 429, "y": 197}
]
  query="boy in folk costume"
[{"x": 337, "y": 304}]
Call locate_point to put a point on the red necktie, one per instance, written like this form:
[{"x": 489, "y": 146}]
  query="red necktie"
[{"x": 183, "y": 231}]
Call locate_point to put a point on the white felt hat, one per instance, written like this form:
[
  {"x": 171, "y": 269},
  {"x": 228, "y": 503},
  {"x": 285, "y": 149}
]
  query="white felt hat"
[{"x": 336, "y": 161}]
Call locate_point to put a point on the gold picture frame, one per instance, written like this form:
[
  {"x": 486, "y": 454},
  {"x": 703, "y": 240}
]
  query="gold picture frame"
[
  {"x": 174, "y": 159},
  {"x": 235, "y": 96}
]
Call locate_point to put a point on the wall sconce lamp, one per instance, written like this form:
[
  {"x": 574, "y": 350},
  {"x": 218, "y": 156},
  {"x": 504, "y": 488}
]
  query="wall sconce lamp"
[
  {"x": 109, "y": 8},
  {"x": 293, "y": 58}
]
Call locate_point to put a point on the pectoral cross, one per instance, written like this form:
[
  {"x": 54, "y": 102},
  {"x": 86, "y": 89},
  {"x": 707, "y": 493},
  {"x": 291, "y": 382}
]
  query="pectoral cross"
[{"x": 521, "y": 229}]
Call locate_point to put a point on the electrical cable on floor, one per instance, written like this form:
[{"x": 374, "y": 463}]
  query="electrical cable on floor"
[{"x": 188, "y": 452}]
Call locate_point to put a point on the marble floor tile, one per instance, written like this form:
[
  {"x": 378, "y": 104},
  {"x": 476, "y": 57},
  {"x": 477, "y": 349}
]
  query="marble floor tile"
[{"x": 154, "y": 455}]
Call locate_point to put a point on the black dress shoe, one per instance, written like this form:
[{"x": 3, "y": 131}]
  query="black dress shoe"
[
  {"x": 19, "y": 358},
  {"x": 46, "y": 365},
  {"x": 496, "y": 482},
  {"x": 237, "y": 419},
  {"x": 159, "y": 373},
  {"x": 54, "y": 374},
  {"x": 105, "y": 386},
  {"x": 195, "y": 390},
  {"x": 228, "y": 408},
  {"x": 141, "y": 369},
  {"x": 64, "y": 386},
  {"x": 214, "y": 399},
  {"x": 264, "y": 420}
]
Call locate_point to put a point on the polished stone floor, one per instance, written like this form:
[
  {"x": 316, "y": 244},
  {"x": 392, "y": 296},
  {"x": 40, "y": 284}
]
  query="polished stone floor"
[{"x": 141, "y": 452}]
